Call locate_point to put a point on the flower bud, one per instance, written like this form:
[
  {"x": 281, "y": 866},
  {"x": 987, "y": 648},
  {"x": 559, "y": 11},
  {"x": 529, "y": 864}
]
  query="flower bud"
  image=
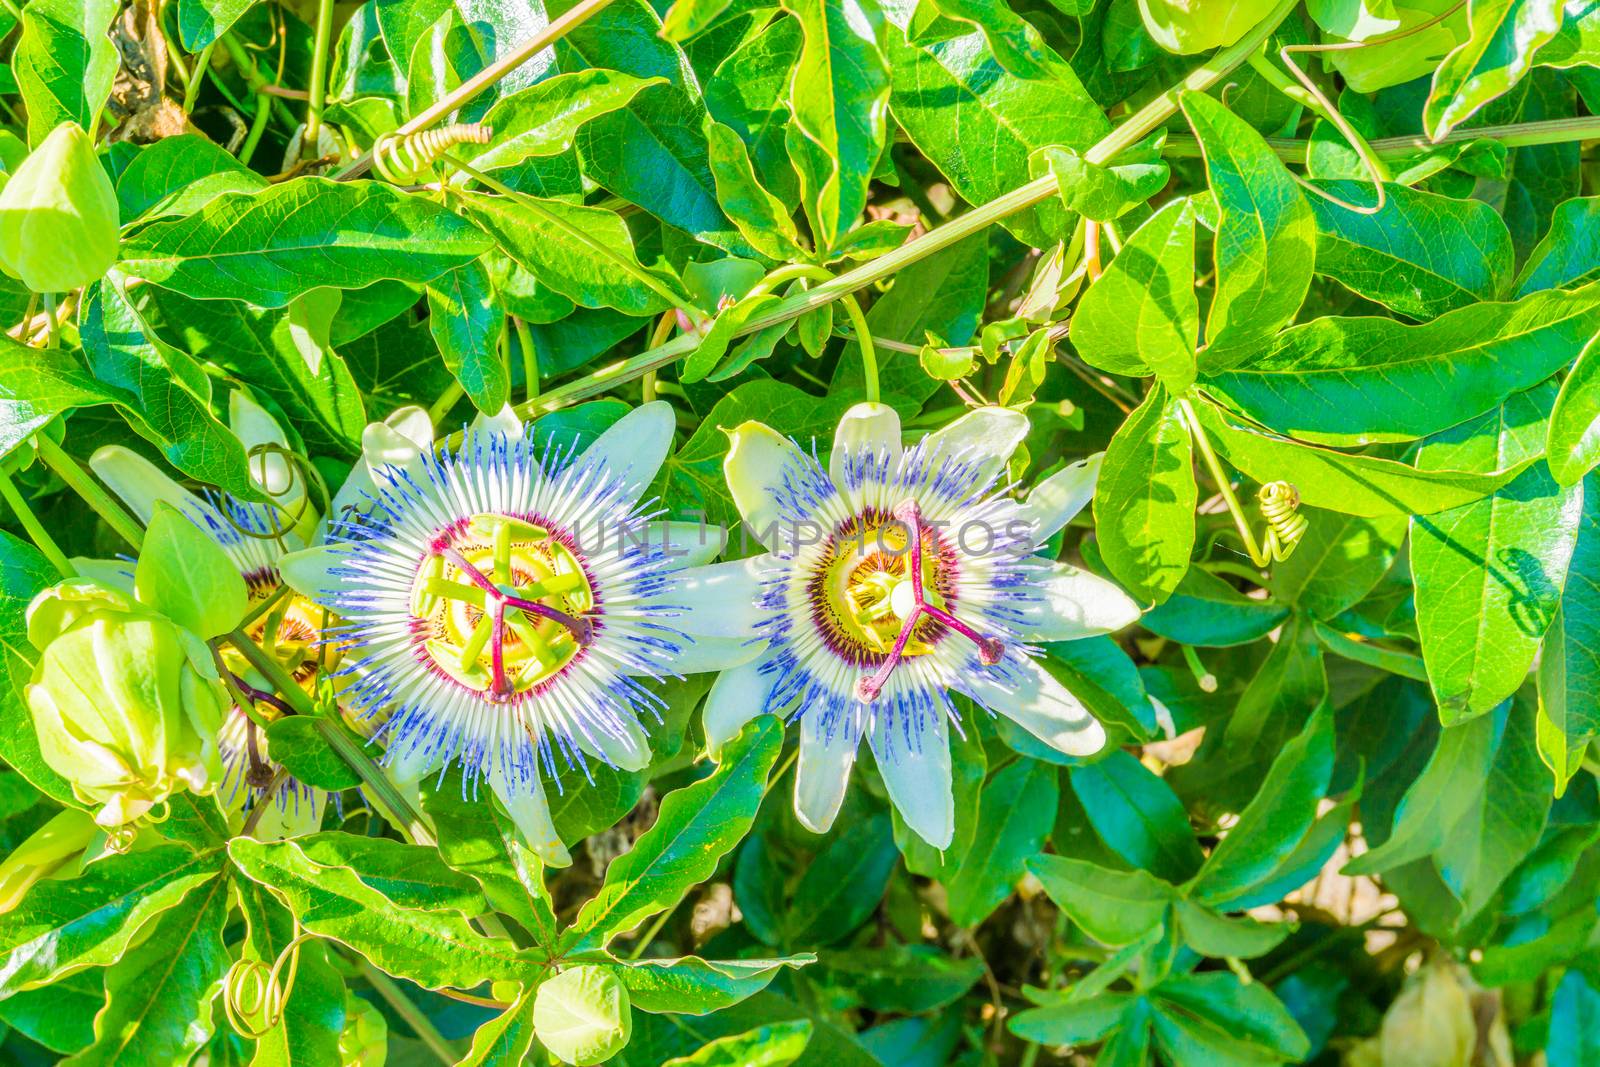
[
  {"x": 58, "y": 215},
  {"x": 582, "y": 1015},
  {"x": 364, "y": 1041},
  {"x": 50, "y": 848},
  {"x": 1431, "y": 1023},
  {"x": 126, "y": 703}
]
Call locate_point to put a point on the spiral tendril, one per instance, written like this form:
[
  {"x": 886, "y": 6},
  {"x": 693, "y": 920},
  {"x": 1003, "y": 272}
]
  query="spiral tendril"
[
  {"x": 302, "y": 475},
  {"x": 399, "y": 158},
  {"x": 1280, "y": 503},
  {"x": 253, "y": 989}
]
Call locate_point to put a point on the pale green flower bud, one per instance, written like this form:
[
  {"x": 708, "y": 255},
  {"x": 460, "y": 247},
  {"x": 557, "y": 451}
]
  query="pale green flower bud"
[
  {"x": 583, "y": 1016},
  {"x": 364, "y": 1041},
  {"x": 126, "y": 703},
  {"x": 58, "y": 215},
  {"x": 48, "y": 851}
]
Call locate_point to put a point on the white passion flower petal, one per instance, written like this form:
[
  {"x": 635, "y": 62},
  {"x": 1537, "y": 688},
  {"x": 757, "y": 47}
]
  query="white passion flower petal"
[
  {"x": 634, "y": 447},
  {"x": 1065, "y": 604},
  {"x": 868, "y": 434},
  {"x": 1055, "y": 501}
]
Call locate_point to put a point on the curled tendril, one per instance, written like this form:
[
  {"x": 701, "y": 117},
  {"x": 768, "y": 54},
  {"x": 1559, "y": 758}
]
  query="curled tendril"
[
  {"x": 253, "y": 989},
  {"x": 121, "y": 839},
  {"x": 1318, "y": 101},
  {"x": 303, "y": 475},
  {"x": 1280, "y": 502},
  {"x": 398, "y": 157}
]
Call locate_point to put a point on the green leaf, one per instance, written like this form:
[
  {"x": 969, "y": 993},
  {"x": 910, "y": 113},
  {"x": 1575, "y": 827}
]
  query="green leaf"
[
  {"x": 774, "y": 1045},
  {"x": 1141, "y": 315},
  {"x": 1353, "y": 381},
  {"x": 188, "y": 577},
  {"x": 696, "y": 827},
  {"x": 1569, "y": 661},
  {"x": 700, "y": 363},
  {"x": 479, "y": 841},
  {"x": 1438, "y": 798},
  {"x": 159, "y": 1005},
  {"x": 584, "y": 253},
  {"x": 59, "y": 1016},
  {"x": 433, "y": 949},
  {"x": 900, "y": 978},
  {"x": 179, "y": 176},
  {"x": 1572, "y": 442},
  {"x": 1574, "y": 1035},
  {"x": 1015, "y": 813},
  {"x": 65, "y": 63},
  {"x": 1205, "y": 610},
  {"x": 1105, "y": 193},
  {"x": 749, "y": 92},
  {"x": 324, "y": 406},
  {"x": 37, "y": 386},
  {"x": 1144, "y": 501},
  {"x": 1569, "y": 254},
  {"x": 201, "y": 22},
  {"x": 582, "y": 1015},
  {"x": 1503, "y": 36},
  {"x": 272, "y": 246},
  {"x": 761, "y": 217},
  {"x": 508, "y": 1038},
  {"x": 411, "y": 876},
  {"x": 1213, "y": 1018},
  {"x": 1080, "y": 1023},
  {"x": 1420, "y": 254},
  {"x": 652, "y": 151},
  {"x": 1216, "y": 935},
  {"x": 544, "y": 119},
  {"x": 842, "y": 885},
  {"x": 1489, "y": 574},
  {"x": 467, "y": 323},
  {"x": 24, "y": 572},
  {"x": 1349, "y": 484},
  {"x": 296, "y": 742},
  {"x": 1276, "y": 821},
  {"x": 838, "y": 94},
  {"x": 1113, "y": 907},
  {"x": 689, "y": 985},
  {"x": 1338, "y": 561},
  {"x": 1136, "y": 813},
  {"x": 978, "y": 123},
  {"x": 167, "y": 393},
  {"x": 89, "y": 921},
  {"x": 1266, "y": 236}
]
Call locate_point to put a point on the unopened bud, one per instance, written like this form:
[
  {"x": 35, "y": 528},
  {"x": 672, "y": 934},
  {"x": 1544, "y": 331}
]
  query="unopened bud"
[{"x": 58, "y": 215}]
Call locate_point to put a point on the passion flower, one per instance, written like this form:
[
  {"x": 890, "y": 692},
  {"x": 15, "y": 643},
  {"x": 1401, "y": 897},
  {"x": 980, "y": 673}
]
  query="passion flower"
[
  {"x": 58, "y": 215},
  {"x": 500, "y": 601},
  {"x": 894, "y": 577}
]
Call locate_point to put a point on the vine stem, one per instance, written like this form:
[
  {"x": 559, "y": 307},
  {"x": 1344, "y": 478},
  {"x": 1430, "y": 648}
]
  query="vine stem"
[
  {"x": 1125, "y": 136},
  {"x": 396, "y": 998},
  {"x": 35, "y": 529},
  {"x": 852, "y": 308},
  {"x": 318, "y": 88},
  {"x": 67, "y": 469},
  {"x": 1224, "y": 484},
  {"x": 486, "y": 77},
  {"x": 344, "y": 746},
  {"x": 1512, "y": 135}
]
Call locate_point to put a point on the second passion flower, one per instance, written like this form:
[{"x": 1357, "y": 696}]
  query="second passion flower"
[
  {"x": 501, "y": 599},
  {"x": 893, "y": 577}
]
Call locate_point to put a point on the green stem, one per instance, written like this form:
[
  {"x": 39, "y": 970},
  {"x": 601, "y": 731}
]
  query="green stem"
[
  {"x": 1224, "y": 485},
  {"x": 1125, "y": 136},
  {"x": 344, "y": 746},
  {"x": 530, "y": 358},
  {"x": 52, "y": 328},
  {"x": 192, "y": 92},
  {"x": 557, "y": 29},
  {"x": 447, "y": 400},
  {"x": 68, "y": 470},
  {"x": 649, "y": 934},
  {"x": 318, "y": 89},
  {"x": 648, "y": 280},
  {"x": 12, "y": 9},
  {"x": 1512, "y": 135},
  {"x": 1313, "y": 100},
  {"x": 396, "y": 998},
  {"x": 258, "y": 126},
  {"x": 36, "y": 531},
  {"x": 254, "y": 80}
]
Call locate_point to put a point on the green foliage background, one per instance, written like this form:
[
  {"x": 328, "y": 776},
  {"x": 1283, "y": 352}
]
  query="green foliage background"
[{"x": 1350, "y": 814}]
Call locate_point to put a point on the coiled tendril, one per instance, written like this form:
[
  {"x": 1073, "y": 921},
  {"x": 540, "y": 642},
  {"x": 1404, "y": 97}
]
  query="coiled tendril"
[
  {"x": 399, "y": 157},
  {"x": 251, "y": 988},
  {"x": 1280, "y": 502},
  {"x": 301, "y": 474}
]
